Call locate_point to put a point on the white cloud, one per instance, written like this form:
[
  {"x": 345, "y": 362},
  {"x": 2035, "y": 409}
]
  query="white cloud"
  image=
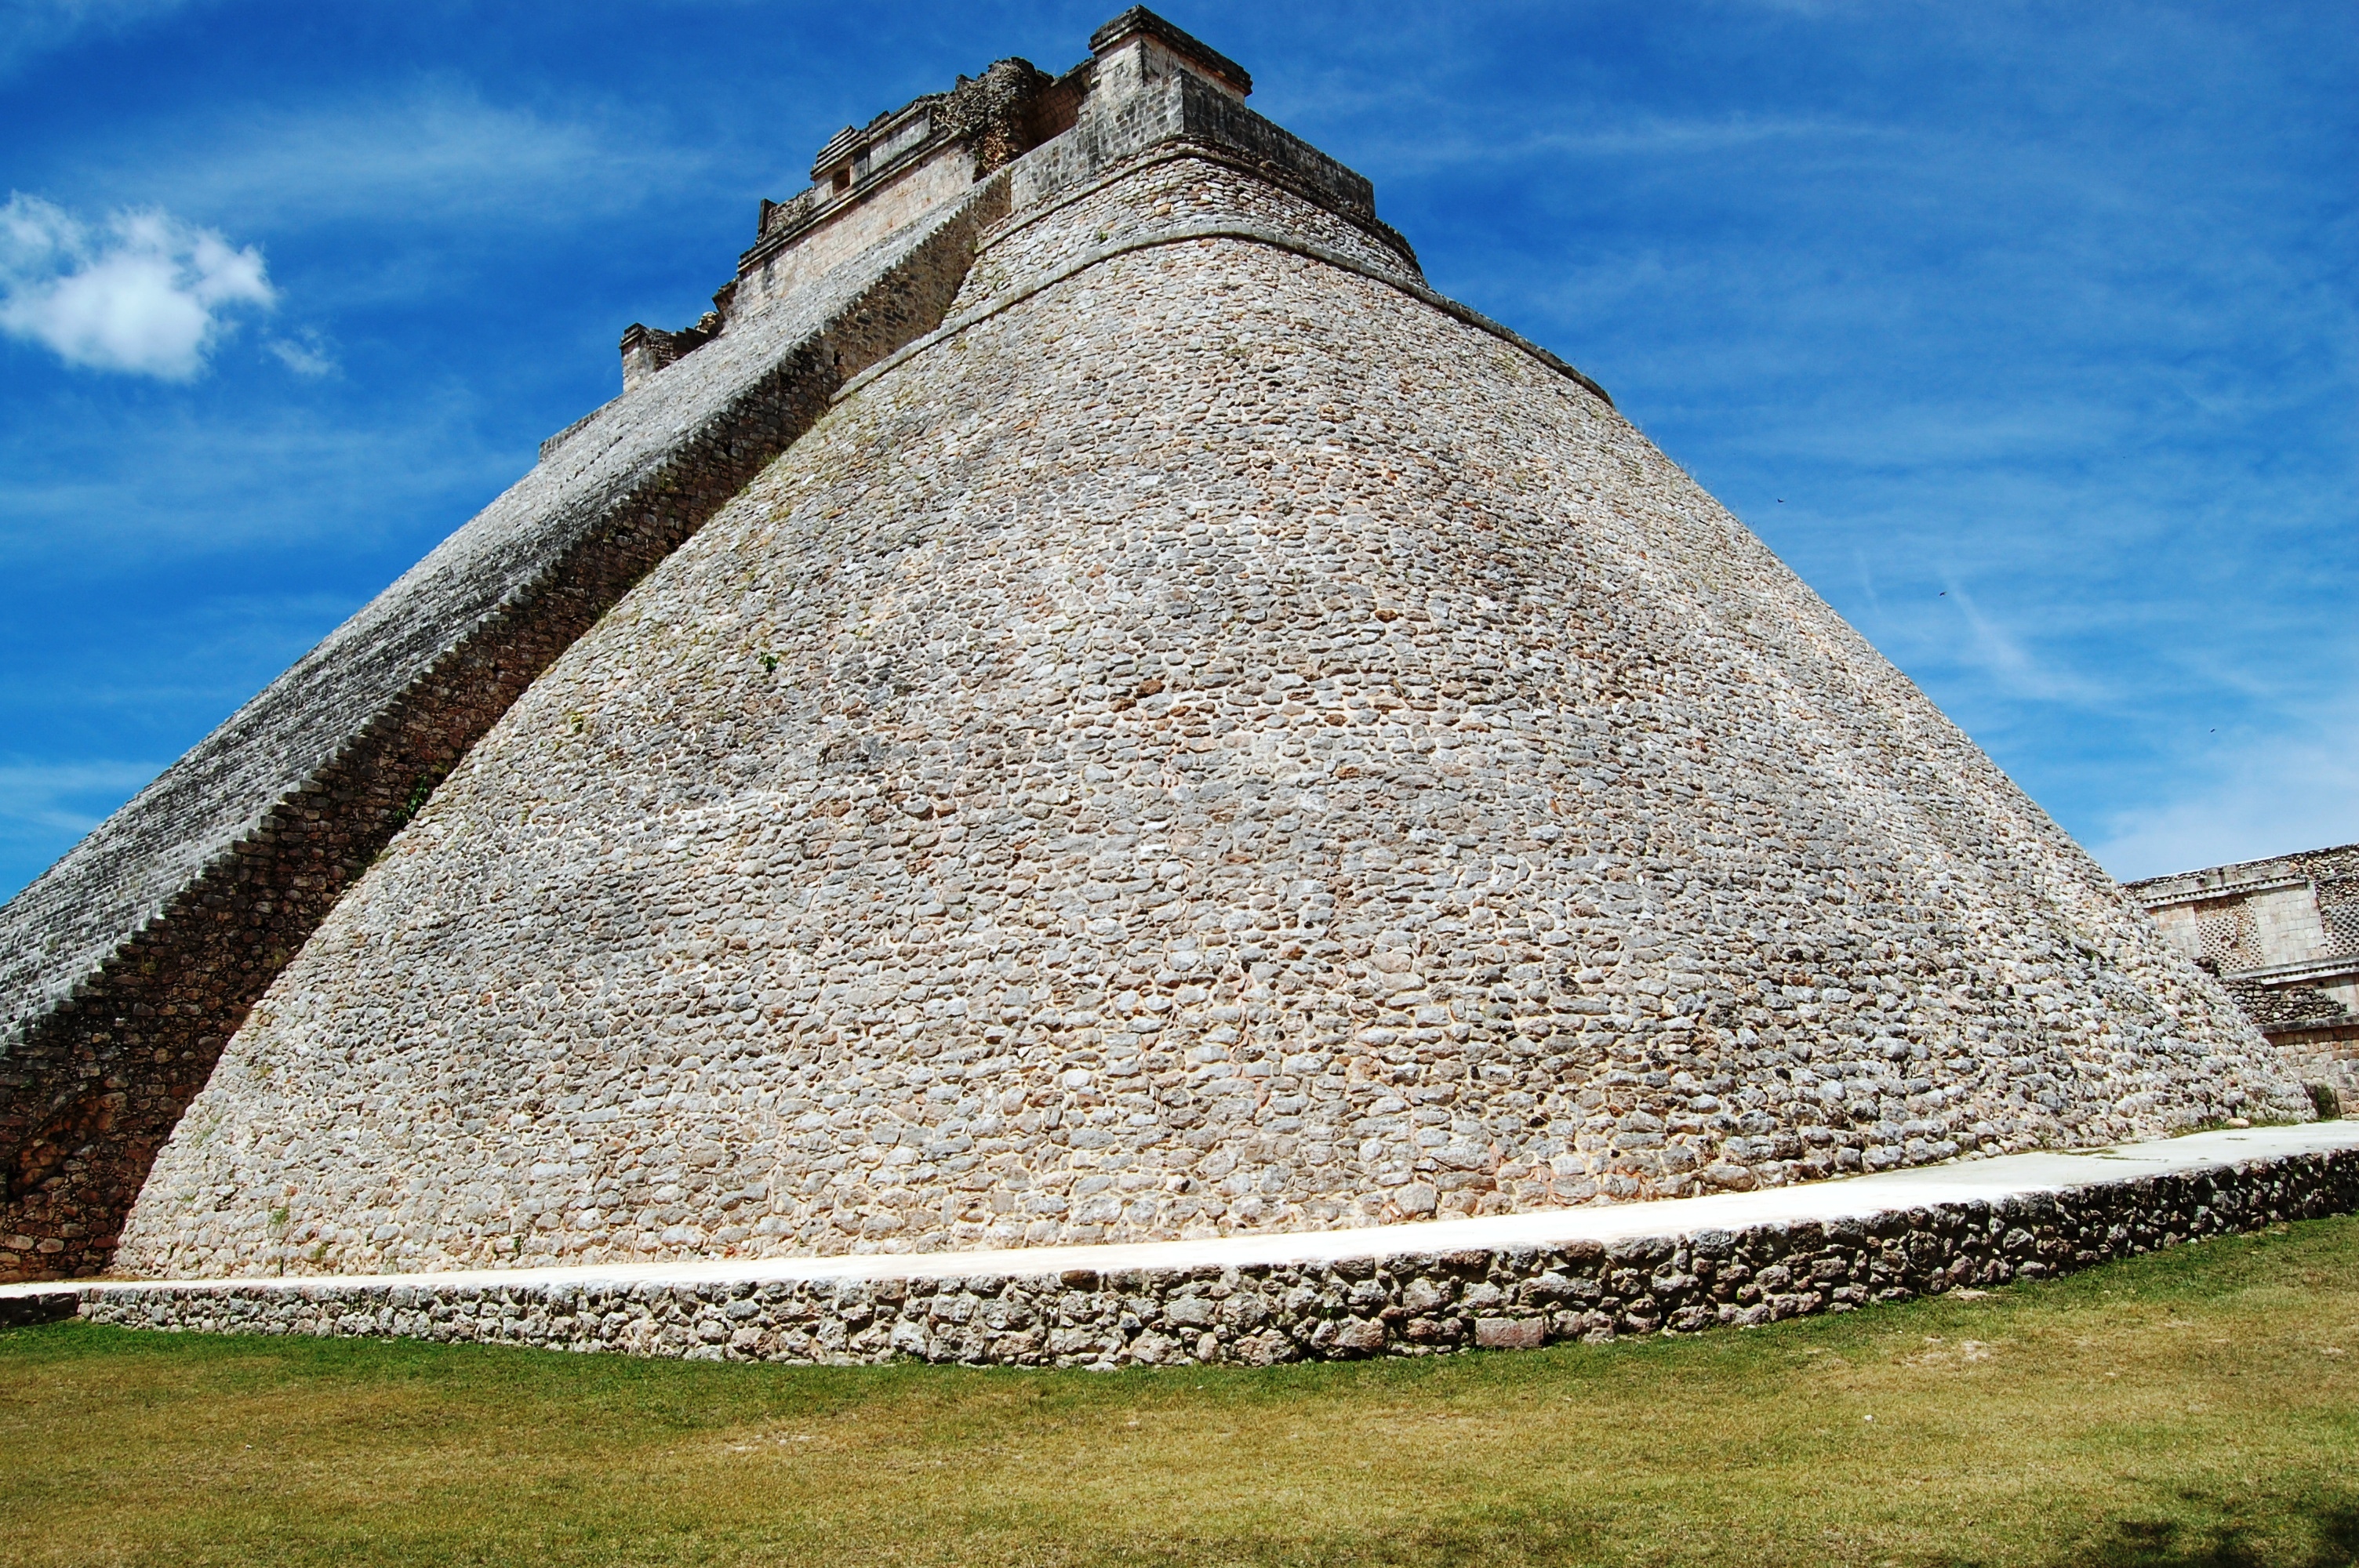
[
  {"x": 438, "y": 153},
  {"x": 142, "y": 292}
]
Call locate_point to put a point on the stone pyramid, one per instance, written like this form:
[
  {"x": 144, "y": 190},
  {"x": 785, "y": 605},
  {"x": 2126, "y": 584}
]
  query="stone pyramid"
[{"x": 1083, "y": 702}]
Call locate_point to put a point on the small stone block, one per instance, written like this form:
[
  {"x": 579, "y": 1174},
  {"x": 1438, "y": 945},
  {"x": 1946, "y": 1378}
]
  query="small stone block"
[{"x": 1510, "y": 1333}]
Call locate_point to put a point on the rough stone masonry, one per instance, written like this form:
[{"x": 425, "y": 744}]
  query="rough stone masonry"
[{"x": 1181, "y": 731}]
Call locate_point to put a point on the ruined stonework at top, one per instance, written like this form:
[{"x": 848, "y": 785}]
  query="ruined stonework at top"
[{"x": 1083, "y": 701}]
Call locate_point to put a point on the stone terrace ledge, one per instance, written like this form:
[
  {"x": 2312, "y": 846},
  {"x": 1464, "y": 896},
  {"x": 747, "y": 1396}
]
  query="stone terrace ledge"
[{"x": 1509, "y": 1281}]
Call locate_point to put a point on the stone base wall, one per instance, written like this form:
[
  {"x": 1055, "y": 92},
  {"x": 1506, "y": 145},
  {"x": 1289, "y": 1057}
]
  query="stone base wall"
[{"x": 1406, "y": 1304}]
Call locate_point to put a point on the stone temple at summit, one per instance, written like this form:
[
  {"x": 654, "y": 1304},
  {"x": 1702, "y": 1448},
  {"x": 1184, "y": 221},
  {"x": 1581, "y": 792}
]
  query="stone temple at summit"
[{"x": 1082, "y": 702}]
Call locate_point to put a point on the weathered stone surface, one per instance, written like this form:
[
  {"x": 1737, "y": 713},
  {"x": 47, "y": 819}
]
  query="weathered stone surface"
[
  {"x": 1511, "y": 1333},
  {"x": 1384, "y": 1303},
  {"x": 1203, "y": 737},
  {"x": 1213, "y": 744}
]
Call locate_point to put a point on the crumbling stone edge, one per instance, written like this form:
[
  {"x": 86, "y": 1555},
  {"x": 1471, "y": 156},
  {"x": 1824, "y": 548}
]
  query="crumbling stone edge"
[{"x": 1409, "y": 1303}]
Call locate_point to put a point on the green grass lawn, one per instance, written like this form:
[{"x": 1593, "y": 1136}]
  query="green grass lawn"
[{"x": 2200, "y": 1406}]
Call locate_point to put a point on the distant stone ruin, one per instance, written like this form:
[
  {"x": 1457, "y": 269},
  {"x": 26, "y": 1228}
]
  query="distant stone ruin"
[
  {"x": 2282, "y": 934},
  {"x": 1083, "y": 702}
]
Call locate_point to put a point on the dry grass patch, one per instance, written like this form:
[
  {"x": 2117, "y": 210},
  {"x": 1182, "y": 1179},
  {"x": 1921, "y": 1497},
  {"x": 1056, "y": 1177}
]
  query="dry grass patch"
[{"x": 2192, "y": 1408}]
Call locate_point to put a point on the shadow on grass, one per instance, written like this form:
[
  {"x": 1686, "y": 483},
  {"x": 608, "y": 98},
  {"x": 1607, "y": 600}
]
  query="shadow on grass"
[
  {"x": 1474, "y": 1545},
  {"x": 2140, "y": 1543}
]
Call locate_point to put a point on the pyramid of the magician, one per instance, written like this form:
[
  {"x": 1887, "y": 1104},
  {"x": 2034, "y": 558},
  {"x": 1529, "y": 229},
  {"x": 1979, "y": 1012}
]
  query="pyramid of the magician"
[{"x": 1083, "y": 701}]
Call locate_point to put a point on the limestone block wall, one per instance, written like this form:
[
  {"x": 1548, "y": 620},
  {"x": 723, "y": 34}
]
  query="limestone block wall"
[
  {"x": 2276, "y": 923},
  {"x": 1220, "y": 744},
  {"x": 2289, "y": 911},
  {"x": 782, "y": 273},
  {"x": 125, "y": 969}
]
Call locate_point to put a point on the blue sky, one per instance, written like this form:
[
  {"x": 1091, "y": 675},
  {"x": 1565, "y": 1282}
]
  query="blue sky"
[{"x": 2026, "y": 334}]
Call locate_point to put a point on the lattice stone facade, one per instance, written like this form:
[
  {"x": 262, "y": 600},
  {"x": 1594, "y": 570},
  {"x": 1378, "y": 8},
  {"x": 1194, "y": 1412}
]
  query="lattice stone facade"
[
  {"x": 2283, "y": 935},
  {"x": 1190, "y": 733}
]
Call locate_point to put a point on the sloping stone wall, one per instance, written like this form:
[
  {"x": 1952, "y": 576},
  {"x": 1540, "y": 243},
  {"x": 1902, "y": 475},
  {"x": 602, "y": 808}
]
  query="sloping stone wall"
[
  {"x": 1173, "y": 190},
  {"x": 1218, "y": 746},
  {"x": 125, "y": 969},
  {"x": 1211, "y": 739}
]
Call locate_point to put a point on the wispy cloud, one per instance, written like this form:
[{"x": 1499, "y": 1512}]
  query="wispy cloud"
[
  {"x": 2016, "y": 665},
  {"x": 224, "y": 646},
  {"x": 140, "y": 291},
  {"x": 1645, "y": 137},
  {"x": 1815, "y": 10},
  {"x": 307, "y": 354},
  {"x": 29, "y": 28},
  {"x": 72, "y": 503},
  {"x": 45, "y": 807},
  {"x": 434, "y": 153},
  {"x": 2258, "y": 795}
]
